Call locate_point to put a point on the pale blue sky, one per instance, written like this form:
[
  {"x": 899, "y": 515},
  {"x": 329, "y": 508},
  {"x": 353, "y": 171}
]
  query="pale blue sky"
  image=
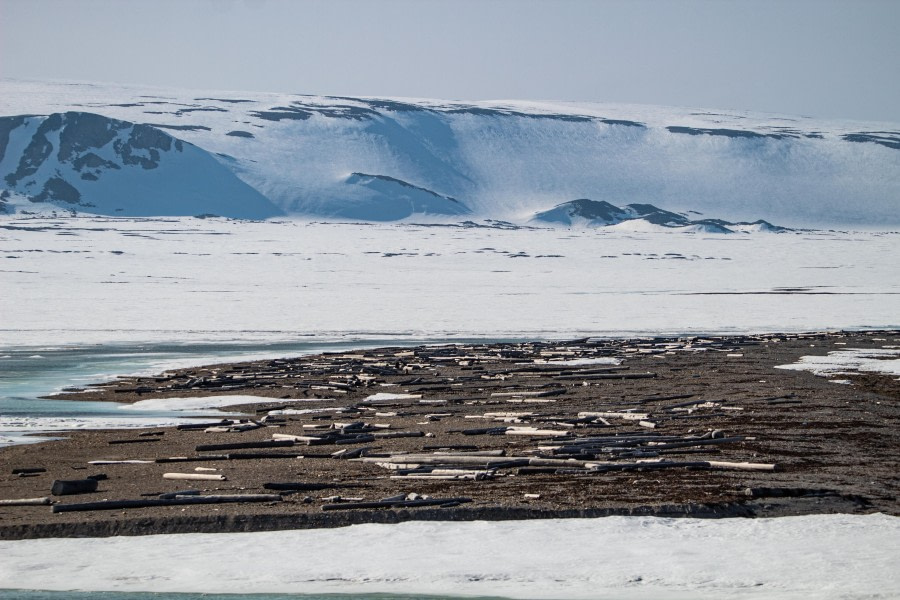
[{"x": 822, "y": 58}]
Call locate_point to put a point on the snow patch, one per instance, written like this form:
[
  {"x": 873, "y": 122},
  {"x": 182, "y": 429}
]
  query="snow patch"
[
  {"x": 204, "y": 402},
  {"x": 849, "y": 361}
]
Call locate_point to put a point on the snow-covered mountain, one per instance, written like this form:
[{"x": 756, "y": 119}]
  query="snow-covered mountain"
[
  {"x": 91, "y": 163},
  {"x": 388, "y": 159}
]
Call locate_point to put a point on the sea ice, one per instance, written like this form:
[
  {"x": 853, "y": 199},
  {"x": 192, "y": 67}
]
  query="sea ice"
[{"x": 186, "y": 280}]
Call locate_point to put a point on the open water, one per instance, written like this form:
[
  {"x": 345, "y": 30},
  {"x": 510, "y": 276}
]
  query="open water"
[{"x": 28, "y": 374}]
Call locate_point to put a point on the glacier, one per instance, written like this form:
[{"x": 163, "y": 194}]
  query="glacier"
[{"x": 369, "y": 159}]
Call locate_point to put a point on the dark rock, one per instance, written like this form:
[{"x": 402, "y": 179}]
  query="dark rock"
[
  {"x": 37, "y": 151},
  {"x": 888, "y": 139},
  {"x": 92, "y": 161},
  {"x": 82, "y": 131},
  {"x": 57, "y": 188},
  {"x": 731, "y": 133},
  {"x": 180, "y": 127},
  {"x": 7, "y": 124}
]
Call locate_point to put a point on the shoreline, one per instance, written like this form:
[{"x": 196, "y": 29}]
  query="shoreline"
[{"x": 520, "y": 430}]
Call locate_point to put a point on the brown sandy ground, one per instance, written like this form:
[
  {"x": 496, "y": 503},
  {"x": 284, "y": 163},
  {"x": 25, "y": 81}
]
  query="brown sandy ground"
[{"x": 704, "y": 401}]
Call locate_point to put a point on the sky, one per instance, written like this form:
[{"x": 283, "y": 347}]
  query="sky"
[{"x": 820, "y": 58}]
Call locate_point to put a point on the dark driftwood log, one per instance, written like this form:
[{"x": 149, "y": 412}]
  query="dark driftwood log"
[
  {"x": 173, "y": 495},
  {"x": 29, "y": 470},
  {"x": 396, "y": 504},
  {"x": 348, "y": 453},
  {"x": 530, "y": 393},
  {"x": 357, "y": 439},
  {"x": 705, "y": 442},
  {"x": 398, "y": 434},
  {"x": 482, "y": 431},
  {"x": 62, "y": 487},
  {"x": 242, "y": 445},
  {"x": 120, "y": 504},
  {"x": 191, "y": 426},
  {"x": 174, "y": 459}
]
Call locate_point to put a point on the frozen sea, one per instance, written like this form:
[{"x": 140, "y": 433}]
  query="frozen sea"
[{"x": 105, "y": 281}]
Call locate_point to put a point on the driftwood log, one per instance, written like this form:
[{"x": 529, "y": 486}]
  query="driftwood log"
[
  {"x": 26, "y": 502},
  {"x": 65, "y": 487},
  {"x": 443, "y": 502},
  {"x": 194, "y": 476},
  {"x": 177, "y": 501}
]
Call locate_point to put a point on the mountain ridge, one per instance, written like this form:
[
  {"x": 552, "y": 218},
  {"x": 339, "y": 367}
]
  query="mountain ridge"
[
  {"x": 335, "y": 157},
  {"x": 585, "y": 212},
  {"x": 86, "y": 162}
]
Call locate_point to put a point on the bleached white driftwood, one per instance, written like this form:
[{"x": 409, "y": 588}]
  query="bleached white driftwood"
[
  {"x": 561, "y": 463},
  {"x": 535, "y": 432},
  {"x": 741, "y": 466},
  {"x": 25, "y": 502},
  {"x": 629, "y": 416},
  {"x": 295, "y": 438},
  {"x": 503, "y": 415},
  {"x": 194, "y": 476},
  {"x": 497, "y": 452}
]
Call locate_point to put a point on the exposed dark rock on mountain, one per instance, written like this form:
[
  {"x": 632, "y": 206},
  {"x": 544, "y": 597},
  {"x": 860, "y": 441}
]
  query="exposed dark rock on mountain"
[
  {"x": 594, "y": 213},
  {"x": 88, "y": 162}
]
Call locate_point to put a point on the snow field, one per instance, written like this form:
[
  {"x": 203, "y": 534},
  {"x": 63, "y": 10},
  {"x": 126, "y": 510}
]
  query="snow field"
[
  {"x": 885, "y": 361},
  {"x": 84, "y": 280},
  {"x": 616, "y": 558}
]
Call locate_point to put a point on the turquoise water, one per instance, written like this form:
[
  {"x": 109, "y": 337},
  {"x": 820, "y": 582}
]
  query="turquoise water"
[{"x": 26, "y": 374}]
